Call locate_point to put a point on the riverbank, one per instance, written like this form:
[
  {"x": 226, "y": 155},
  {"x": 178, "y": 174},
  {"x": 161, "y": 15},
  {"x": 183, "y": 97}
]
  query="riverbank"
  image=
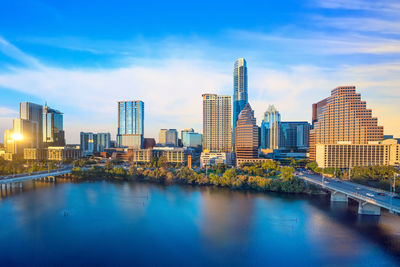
[{"x": 185, "y": 176}]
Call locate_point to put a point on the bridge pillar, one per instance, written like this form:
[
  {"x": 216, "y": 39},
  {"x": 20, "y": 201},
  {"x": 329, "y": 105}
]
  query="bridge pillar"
[
  {"x": 338, "y": 197},
  {"x": 365, "y": 208}
]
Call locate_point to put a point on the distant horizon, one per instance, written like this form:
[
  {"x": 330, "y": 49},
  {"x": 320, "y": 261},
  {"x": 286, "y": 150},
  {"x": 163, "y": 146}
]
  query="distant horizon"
[{"x": 167, "y": 55}]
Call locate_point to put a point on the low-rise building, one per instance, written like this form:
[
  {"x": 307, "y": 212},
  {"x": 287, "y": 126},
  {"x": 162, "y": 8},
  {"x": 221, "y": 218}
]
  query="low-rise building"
[
  {"x": 211, "y": 158},
  {"x": 347, "y": 155},
  {"x": 239, "y": 162},
  {"x": 35, "y": 154},
  {"x": 173, "y": 155},
  {"x": 60, "y": 153}
]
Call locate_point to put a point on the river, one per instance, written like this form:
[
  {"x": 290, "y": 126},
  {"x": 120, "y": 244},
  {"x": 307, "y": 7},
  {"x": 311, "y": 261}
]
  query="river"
[{"x": 143, "y": 224}]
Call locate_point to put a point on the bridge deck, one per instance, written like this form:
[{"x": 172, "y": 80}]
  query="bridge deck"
[
  {"x": 355, "y": 191},
  {"x": 32, "y": 176}
]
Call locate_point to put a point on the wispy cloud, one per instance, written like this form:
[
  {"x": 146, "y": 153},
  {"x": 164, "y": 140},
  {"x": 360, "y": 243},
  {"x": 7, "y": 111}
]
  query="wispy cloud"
[
  {"x": 13, "y": 52},
  {"x": 391, "y": 6}
]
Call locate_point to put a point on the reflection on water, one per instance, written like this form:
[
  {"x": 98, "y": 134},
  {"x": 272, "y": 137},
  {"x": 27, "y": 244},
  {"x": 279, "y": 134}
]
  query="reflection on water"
[{"x": 100, "y": 223}]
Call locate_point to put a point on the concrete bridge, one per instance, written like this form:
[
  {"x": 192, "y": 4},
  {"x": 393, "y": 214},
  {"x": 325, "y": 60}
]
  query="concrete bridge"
[
  {"x": 370, "y": 200},
  {"x": 16, "y": 180}
]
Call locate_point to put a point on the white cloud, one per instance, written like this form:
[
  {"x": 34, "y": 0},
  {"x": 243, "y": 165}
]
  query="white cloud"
[
  {"x": 391, "y": 6},
  {"x": 171, "y": 86}
]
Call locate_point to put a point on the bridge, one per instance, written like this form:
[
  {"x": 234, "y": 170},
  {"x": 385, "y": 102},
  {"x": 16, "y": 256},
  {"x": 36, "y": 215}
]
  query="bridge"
[
  {"x": 370, "y": 200},
  {"x": 16, "y": 180}
]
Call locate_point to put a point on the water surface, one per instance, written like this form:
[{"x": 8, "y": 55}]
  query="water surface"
[{"x": 142, "y": 224}]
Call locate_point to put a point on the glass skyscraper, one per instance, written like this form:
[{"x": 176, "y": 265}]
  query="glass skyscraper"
[
  {"x": 240, "y": 97},
  {"x": 270, "y": 128},
  {"x": 130, "y": 123},
  {"x": 53, "y": 132},
  {"x": 33, "y": 112}
]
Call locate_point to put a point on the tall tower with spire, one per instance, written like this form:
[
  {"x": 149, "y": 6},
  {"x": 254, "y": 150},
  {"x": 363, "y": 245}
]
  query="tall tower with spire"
[{"x": 240, "y": 96}]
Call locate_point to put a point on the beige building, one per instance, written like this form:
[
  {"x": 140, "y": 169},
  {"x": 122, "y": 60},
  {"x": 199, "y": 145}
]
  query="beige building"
[
  {"x": 35, "y": 154},
  {"x": 346, "y": 155},
  {"x": 343, "y": 130},
  {"x": 60, "y": 153},
  {"x": 173, "y": 155},
  {"x": 168, "y": 137},
  {"x": 217, "y": 123},
  {"x": 211, "y": 158}
]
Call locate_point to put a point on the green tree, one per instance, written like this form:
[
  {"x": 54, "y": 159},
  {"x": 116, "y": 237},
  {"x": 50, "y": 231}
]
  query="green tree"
[
  {"x": 287, "y": 173},
  {"x": 109, "y": 165}
]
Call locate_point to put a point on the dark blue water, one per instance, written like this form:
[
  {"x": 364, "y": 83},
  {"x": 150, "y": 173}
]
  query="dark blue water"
[{"x": 109, "y": 224}]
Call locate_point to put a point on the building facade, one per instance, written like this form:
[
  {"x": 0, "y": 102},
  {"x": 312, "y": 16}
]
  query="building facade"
[
  {"x": 33, "y": 112},
  {"x": 89, "y": 144},
  {"x": 184, "y": 133},
  {"x": 212, "y": 158},
  {"x": 172, "y": 155},
  {"x": 270, "y": 128},
  {"x": 294, "y": 135},
  {"x": 240, "y": 89},
  {"x": 344, "y": 117},
  {"x": 246, "y": 135},
  {"x": 217, "y": 123},
  {"x": 61, "y": 153},
  {"x": 130, "y": 124},
  {"x": 103, "y": 141},
  {"x": 346, "y": 155},
  {"x": 168, "y": 137},
  {"x": 194, "y": 140},
  {"x": 53, "y": 132}
]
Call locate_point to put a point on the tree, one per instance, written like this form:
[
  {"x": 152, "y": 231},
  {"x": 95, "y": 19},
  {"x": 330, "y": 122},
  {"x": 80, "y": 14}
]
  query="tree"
[
  {"x": 162, "y": 162},
  {"x": 109, "y": 165},
  {"x": 312, "y": 165},
  {"x": 287, "y": 173}
]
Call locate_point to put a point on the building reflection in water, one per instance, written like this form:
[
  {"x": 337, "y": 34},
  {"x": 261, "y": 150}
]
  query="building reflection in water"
[
  {"x": 227, "y": 217},
  {"x": 346, "y": 226}
]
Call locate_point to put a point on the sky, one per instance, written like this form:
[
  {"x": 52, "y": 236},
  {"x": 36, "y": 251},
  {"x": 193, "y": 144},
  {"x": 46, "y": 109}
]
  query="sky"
[{"x": 81, "y": 57}]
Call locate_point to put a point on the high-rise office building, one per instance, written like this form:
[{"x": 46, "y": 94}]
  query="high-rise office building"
[
  {"x": 270, "y": 128},
  {"x": 130, "y": 124},
  {"x": 240, "y": 96},
  {"x": 246, "y": 135},
  {"x": 103, "y": 141},
  {"x": 33, "y": 112},
  {"x": 89, "y": 143},
  {"x": 23, "y": 135},
  {"x": 194, "y": 140},
  {"x": 53, "y": 133},
  {"x": 343, "y": 119},
  {"x": 217, "y": 123},
  {"x": 168, "y": 137},
  {"x": 294, "y": 135},
  {"x": 184, "y": 133}
]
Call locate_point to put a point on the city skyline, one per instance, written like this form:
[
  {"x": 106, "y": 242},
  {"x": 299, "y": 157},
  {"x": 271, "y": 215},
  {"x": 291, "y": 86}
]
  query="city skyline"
[{"x": 84, "y": 72}]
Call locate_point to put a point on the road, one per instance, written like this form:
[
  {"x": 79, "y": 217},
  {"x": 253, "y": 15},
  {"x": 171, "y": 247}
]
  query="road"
[
  {"x": 354, "y": 191},
  {"x": 31, "y": 176}
]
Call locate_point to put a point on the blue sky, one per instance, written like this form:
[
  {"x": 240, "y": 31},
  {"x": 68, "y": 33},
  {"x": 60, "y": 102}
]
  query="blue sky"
[{"x": 83, "y": 56}]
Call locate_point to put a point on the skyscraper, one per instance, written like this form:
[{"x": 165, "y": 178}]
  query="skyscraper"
[
  {"x": 89, "y": 143},
  {"x": 344, "y": 119},
  {"x": 130, "y": 124},
  {"x": 53, "y": 133},
  {"x": 270, "y": 128},
  {"x": 184, "y": 133},
  {"x": 246, "y": 135},
  {"x": 103, "y": 141},
  {"x": 294, "y": 135},
  {"x": 33, "y": 112},
  {"x": 217, "y": 123},
  {"x": 240, "y": 97}
]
